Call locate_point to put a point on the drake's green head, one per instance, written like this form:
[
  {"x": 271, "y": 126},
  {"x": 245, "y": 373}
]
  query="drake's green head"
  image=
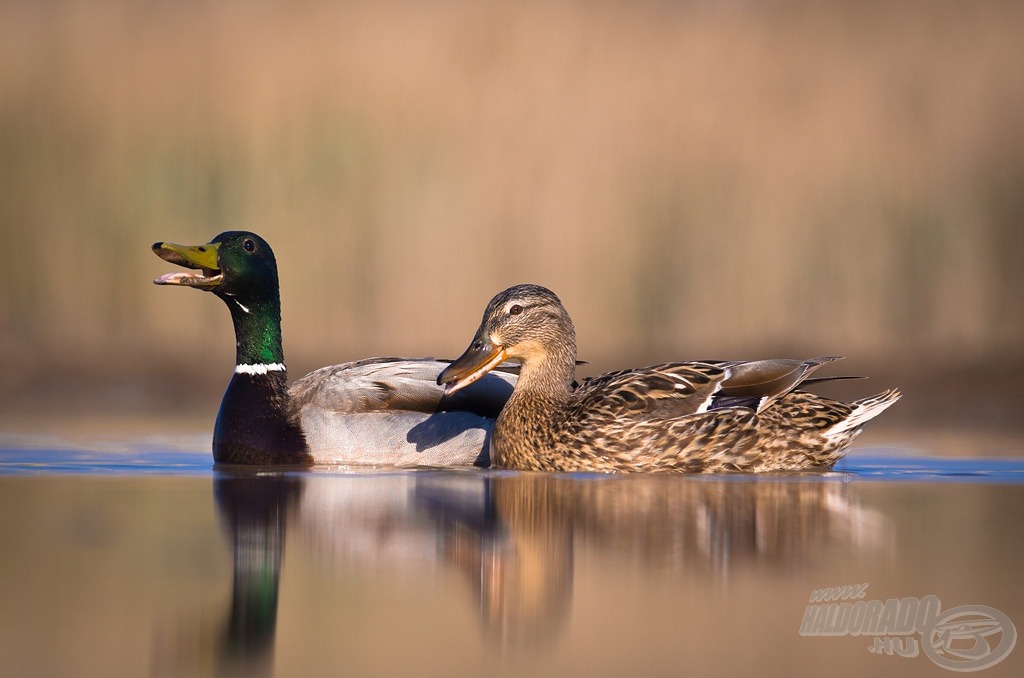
[
  {"x": 239, "y": 267},
  {"x": 236, "y": 264}
]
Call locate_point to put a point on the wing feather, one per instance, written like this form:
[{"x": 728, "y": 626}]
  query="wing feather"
[
  {"x": 396, "y": 384},
  {"x": 659, "y": 392}
]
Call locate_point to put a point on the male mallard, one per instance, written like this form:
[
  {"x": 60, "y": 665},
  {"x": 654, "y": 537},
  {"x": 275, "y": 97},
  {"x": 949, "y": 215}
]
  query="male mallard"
[
  {"x": 687, "y": 416},
  {"x": 383, "y": 411}
]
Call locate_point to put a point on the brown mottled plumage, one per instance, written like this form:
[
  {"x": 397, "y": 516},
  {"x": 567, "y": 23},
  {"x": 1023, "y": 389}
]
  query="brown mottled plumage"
[{"x": 676, "y": 417}]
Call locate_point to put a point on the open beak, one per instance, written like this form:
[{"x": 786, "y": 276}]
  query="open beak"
[
  {"x": 480, "y": 358},
  {"x": 202, "y": 258}
]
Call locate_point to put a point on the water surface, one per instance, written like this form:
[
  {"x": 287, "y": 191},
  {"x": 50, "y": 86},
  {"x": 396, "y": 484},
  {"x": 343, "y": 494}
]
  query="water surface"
[{"x": 149, "y": 561}]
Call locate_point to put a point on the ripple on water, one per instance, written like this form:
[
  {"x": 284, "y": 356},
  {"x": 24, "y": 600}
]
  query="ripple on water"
[{"x": 161, "y": 459}]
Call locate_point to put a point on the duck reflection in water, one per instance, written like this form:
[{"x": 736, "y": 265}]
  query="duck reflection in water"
[
  {"x": 516, "y": 537},
  {"x": 254, "y": 509},
  {"x": 512, "y": 539}
]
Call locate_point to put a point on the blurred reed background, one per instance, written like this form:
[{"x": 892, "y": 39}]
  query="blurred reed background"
[{"x": 694, "y": 179}]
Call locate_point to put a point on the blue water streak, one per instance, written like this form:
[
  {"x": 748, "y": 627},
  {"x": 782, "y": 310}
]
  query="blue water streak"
[{"x": 859, "y": 466}]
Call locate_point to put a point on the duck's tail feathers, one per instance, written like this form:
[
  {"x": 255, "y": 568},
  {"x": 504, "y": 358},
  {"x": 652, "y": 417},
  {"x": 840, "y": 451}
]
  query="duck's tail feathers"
[
  {"x": 819, "y": 380},
  {"x": 864, "y": 410}
]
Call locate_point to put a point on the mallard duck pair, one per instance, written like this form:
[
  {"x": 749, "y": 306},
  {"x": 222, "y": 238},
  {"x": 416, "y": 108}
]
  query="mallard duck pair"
[{"x": 684, "y": 417}]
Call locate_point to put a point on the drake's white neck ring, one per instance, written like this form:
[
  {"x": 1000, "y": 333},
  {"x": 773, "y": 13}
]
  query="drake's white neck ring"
[{"x": 260, "y": 368}]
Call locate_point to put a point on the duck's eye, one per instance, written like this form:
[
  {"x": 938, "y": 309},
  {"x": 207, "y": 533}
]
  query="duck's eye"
[
  {"x": 249, "y": 245},
  {"x": 515, "y": 310}
]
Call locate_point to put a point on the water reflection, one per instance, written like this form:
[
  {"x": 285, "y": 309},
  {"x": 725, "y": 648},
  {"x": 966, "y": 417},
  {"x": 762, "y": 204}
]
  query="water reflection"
[
  {"x": 254, "y": 509},
  {"x": 518, "y": 548},
  {"x": 512, "y": 537},
  {"x": 515, "y": 538}
]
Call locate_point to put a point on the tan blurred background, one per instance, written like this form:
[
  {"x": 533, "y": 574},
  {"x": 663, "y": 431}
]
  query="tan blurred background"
[{"x": 694, "y": 179}]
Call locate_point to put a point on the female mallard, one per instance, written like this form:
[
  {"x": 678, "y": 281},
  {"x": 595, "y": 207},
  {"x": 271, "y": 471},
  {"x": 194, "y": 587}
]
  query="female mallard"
[
  {"x": 383, "y": 411},
  {"x": 688, "y": 416}
]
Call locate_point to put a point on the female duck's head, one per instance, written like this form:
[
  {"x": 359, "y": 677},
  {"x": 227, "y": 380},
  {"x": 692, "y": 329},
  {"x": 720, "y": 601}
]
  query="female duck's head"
[{"x": 525, "y": 323}]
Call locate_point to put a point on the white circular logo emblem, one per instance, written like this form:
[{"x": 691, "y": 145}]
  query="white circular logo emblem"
[{"x": 969, "y": 638}]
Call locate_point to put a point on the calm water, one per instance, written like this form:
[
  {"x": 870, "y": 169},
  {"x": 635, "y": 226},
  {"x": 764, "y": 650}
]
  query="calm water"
[{"x": 141, "y": 562}]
